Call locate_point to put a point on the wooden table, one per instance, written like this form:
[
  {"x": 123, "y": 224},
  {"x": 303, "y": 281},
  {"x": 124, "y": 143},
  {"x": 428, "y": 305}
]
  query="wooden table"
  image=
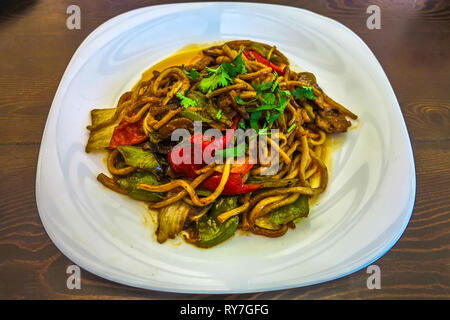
[{"x": 413, "y": 47}]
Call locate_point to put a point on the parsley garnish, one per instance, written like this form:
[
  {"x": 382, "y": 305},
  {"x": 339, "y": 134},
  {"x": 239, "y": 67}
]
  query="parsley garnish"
[
  {"x": 254, "y": 118},
  {"x": 219, "y": 114},
  {"x": 217, "y": 78},
  {"x": 223, "y": 75},
  {"x": 275, "y": 84},
  {"x": 193, "y": 74},
  {"x": 186, "y": 102},
  {"x": 307, "y": 92},
  {"x": 273, "y": 105}
]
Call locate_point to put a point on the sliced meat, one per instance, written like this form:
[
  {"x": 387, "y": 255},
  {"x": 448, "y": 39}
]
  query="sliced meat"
[
  {"x": 214, "y": 51},
  {"x": 177, "y": 123},
  {"x": 307, "y": 77},
  {"x": 224, "y": 101},
  {"x": 331, "y": 121},
  {"x": 158, "y": 111},
  {"x": 200, "y": 64},
  {"x": 162, "y": 148}
]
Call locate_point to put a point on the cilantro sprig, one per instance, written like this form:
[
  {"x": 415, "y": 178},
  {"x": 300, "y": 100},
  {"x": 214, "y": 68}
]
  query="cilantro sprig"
[
  {"x": 222, "y": 75},
  {"x": 192, "y": 74},
  {"x": 304, "y": 92},
  {"x": 185, "y": 101},
  {"x": 274, "y": 101}
]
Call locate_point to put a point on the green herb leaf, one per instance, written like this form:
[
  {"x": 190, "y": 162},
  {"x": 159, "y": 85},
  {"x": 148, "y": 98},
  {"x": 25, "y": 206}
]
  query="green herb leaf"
[
  {"x": 304, "y": 92},
  {"x": 263, "y": 86},
  {"x": 193, "y": 74},
  {"x": 271, "y": 118},
  {"x": 223, "y": 75},
  {"x": 263, "y": 107},
  {"x": 267, "y": 92},
  {"x": 186, "y": 102},
  {"x": 269, "y": 98},
  {"x": 254, "y": 119},
  {"x": 275, "y": 84},
  {"x": 217, "y": 77},
  {"x": 239, "y": 64},
  {"x": 239, "y": 100},
  {"x": 283, "y": 101},
  {"x": 219, "y": 114}
]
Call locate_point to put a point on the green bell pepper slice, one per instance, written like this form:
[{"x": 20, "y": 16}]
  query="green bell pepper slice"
[
  {"x": 131, "y": 181},
  {"x": 273, "y": 221},
  {"x": 139, "y": 158},
  {"x": 210, "y": 231}
]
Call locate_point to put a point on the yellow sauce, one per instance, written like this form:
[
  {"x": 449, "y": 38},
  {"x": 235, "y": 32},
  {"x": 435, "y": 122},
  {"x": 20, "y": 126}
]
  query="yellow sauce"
[
  {"x": 185, "y": 55},
  {"x": 179, "y": 58}
]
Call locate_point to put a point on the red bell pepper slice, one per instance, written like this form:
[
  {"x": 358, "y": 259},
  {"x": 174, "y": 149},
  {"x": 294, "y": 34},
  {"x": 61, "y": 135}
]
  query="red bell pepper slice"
[
  {"x": 216, "y": 144},
  {"x": 234, "y": 185},
  {"x": 186, "y": 169},
  {"x": 264, "y": 61},
  {"x": 219, "y": 143},
  {"x": 241, "y": 168},
  {"x": 127, "y": 134}
]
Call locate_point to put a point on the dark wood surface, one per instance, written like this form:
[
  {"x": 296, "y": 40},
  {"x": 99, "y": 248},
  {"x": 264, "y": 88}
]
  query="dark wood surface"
[{"x": 413, "y": 47}]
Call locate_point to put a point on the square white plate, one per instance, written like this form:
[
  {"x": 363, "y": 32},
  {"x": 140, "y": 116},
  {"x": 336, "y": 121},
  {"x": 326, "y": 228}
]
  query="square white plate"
[{"x": 361, "y": 215}]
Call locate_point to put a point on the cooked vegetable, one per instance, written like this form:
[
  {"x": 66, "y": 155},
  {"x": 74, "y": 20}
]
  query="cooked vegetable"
[
  {"x": 171, "y": 220},
  {"x": 283, "y": 215},
  {"x": 100, "y": 138},
  {"x": 249, "y": 54},
  {"x": 273, "y": 102},
  {"x": 127, "y": 134},
  {"x": 223, "y": 75},
  {"x": 110, "y": 183},
  {"x": 274, "y": 57},
  {"x": 198, "y": 97},
  {"x": 306, "y": 92},
  {"x": 234, "y": 184},
  {"x": 139, "y": 158},
  {"x": 209, "y": 232},
  {"x": 194, "y": 116},
  {"x": 192, "y": 74},
  {"x": 130, "y": 182}
]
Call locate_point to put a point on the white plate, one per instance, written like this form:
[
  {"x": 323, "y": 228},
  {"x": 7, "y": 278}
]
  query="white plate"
[{"x": 361, "y": 215}]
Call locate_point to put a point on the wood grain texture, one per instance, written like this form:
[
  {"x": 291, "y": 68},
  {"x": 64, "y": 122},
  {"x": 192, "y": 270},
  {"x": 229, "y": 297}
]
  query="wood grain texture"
[{"x": 413, "y": 47}]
